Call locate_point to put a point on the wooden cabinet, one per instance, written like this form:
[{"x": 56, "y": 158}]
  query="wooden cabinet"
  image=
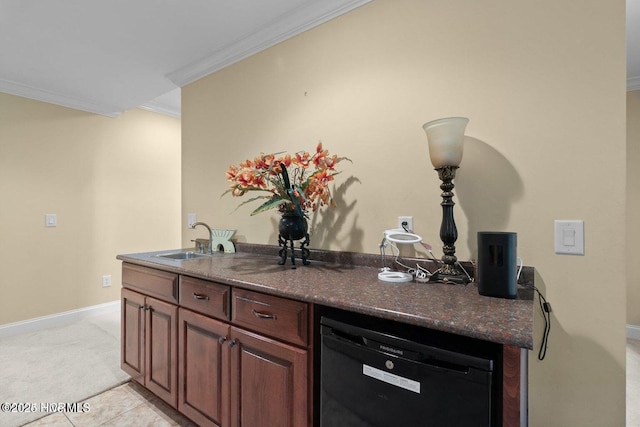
[
  {"x": 269, "y": 378},
  {"x": 149, "y": 281},
  {"x": 149, "y": 344},
  {"x": 161, "y": 350},
  {"x": 149, "y": 330},
  {"x": 222, "y": 356},
  {"x": 273, "y": 316},
  {"x": 132, "y": 336},
  {"x": 203, "y": 369},
  {"x": 269, "y": 381},
  {"x": 209, "y": 298}
]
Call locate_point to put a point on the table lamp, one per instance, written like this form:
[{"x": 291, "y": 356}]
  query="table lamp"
[{"x": 446, "y": 141}]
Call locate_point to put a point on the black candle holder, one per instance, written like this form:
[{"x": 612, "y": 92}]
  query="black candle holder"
[
  {"x": 449, "y": 272},
  {"x": 293, "y": 227}
]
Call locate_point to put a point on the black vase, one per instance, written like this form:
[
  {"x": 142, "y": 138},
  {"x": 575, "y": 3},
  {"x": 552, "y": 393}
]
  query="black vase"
[{"x": 292, "y": 226}]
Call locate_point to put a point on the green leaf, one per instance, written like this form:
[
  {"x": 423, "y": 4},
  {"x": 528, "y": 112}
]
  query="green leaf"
[
  {"x": 252, "y": 200},
  {"x": 269, "y": 204}
]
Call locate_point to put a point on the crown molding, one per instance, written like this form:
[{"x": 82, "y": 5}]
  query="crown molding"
[
  {"x": 633, "y": 83},
  {"x": 25, "y": 91},
  {"x": 289, "y": 25},
  {"x": 157, "y": 107}
]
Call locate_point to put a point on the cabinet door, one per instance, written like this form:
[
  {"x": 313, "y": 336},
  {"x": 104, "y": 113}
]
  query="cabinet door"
[
  {"x": 161, "y": 350},
  {"x": 268, "y": 382},
  {"x": 132, "y": 338},
  {"x": 203, "y": 374}
]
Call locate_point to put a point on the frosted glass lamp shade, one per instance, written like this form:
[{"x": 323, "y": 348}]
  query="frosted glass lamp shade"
[{"x": 446, "y": 139}]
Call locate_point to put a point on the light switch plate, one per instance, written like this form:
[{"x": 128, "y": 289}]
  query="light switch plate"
[
  {"x": 50, "y": 220},
  {"x": 569, "y": 237}
]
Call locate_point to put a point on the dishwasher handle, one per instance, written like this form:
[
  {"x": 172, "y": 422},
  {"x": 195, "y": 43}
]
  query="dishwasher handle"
[{"x": 412, "y": 350}]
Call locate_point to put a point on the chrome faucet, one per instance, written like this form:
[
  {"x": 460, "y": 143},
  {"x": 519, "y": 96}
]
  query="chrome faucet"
[{"x": 209, "y": 249}]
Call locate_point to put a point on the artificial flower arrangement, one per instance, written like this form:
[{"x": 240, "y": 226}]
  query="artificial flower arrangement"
[{"x": 291, "y": 183}]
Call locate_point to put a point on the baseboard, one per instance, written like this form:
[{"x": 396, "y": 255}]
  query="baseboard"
[
  {"x": 633, "y": 332},
  {"x": 58, "y": 319}
]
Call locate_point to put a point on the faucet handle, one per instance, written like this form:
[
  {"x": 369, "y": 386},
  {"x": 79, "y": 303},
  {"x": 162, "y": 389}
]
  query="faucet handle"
[{"x": 201, "y": 244}]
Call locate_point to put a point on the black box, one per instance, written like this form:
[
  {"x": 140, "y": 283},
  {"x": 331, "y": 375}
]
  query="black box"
[{"x": 497, "y": 265}]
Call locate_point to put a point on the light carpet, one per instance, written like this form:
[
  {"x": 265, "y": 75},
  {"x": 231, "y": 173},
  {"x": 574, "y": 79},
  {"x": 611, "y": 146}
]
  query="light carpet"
[{"x": 65, "y": 364}]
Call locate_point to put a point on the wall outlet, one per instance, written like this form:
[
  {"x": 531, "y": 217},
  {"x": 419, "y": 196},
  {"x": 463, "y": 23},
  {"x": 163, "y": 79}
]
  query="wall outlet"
[
  {"x": 191, "y": 219},
  {"x": 106, "y": 281},
  {"x": 408, "y": 220}
]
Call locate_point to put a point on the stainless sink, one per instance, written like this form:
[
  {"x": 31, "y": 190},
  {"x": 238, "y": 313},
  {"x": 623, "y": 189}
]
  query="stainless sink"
[{"x": 181, "y": 255}]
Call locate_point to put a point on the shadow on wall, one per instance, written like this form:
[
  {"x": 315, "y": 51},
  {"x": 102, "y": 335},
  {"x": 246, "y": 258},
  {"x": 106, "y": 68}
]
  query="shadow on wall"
[
  {"x": 325, "y": 230},
  {"x": 486, "y": 186}
]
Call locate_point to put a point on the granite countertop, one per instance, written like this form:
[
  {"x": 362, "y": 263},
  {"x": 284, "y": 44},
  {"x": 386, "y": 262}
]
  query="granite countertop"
[{"x": 450, "y": 308}]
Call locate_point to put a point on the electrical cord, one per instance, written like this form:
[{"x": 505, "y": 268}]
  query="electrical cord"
[
  {"x": 390, "y": 239},
  {"x": 545, "y": 309}
]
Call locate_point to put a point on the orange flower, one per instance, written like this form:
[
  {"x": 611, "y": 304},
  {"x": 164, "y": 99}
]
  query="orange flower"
[
  {"x": 286, "y": 160},
  {"x": 319, "y": 158},
  {"x": 248, "y": 179},
  {"x": 309, "y": 175},
  {"x": 323, "y": 177},
  {"x": 302, "y": 159},
  {"x": 330, "y": 162},
  {"x": 231, "y": 173},
  {"x": 264, "y": 162}
]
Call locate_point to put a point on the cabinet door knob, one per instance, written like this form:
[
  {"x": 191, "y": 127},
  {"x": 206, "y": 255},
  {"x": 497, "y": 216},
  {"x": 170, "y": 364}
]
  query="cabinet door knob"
[
  {"x": 261, "y": 315},
  {"x": 232, "y": 343},
  {"x": 221, "y": 340},
  {"x": 201, "y": 297}
]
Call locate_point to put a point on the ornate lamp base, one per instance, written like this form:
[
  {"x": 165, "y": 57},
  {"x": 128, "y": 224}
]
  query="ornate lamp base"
[
  {"x": 450, "y": 274},
  {"x": 285, "y": 245}
]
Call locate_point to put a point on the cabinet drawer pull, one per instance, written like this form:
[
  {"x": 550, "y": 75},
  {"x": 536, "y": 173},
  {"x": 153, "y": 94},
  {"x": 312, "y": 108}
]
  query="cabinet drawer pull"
[
  {"x": 232, "y": 343},
  {"x": 221, "y": 340},
  {"x": 261, "y": 315},
  {"x": 201, "y": 297}
]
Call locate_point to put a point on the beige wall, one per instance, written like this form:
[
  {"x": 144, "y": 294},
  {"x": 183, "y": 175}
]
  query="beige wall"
[
  {"x": 114, "y": 185},
  {"x": 543, "y": 84},
  {"x": 633, "y": 206}
]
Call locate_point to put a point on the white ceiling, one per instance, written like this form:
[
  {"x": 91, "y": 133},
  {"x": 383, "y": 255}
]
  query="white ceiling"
[{"x": 107, "y": 57}]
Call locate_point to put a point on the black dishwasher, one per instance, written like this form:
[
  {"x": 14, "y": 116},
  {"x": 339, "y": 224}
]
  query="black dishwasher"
[{"x": 372, "y": 378}]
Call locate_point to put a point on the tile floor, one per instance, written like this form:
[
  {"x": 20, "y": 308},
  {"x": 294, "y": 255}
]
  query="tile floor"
[{"x": 126, "y": 405}]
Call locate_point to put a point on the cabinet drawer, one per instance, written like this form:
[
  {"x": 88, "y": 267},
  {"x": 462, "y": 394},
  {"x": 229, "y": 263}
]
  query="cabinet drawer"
[
  {"x": 277, "y": 317},
  {"x": 205, "y": 297},
  {"x": 156, "y": 283}
]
